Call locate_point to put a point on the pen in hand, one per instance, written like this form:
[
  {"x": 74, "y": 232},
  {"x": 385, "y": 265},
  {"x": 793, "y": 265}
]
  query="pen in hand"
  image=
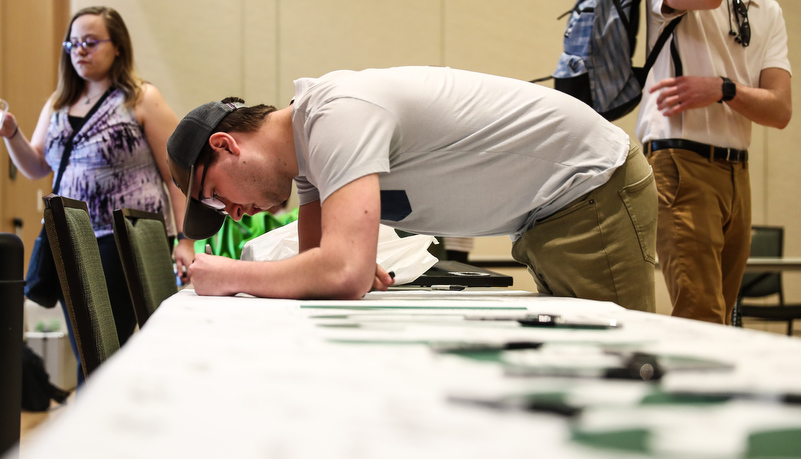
[{"x": 208, "y": 249}]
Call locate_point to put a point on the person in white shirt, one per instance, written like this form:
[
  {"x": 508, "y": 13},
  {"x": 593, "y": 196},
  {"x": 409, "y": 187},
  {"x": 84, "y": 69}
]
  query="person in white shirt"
[
  {"x": 428, "y": 150},
  {"x": 696, "y": 129}
]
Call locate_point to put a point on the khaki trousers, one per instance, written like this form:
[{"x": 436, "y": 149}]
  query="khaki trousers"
[
  {"x": 602, "y": 245},
  {"x": 704, "y": 232}
]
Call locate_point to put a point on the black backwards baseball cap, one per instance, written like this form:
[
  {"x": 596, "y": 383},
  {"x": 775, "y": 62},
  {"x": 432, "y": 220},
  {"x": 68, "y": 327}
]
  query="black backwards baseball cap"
[{"x": 183, "y": 149}]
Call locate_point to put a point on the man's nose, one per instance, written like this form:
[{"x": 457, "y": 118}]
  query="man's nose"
[{"x": 234, "y": 211}]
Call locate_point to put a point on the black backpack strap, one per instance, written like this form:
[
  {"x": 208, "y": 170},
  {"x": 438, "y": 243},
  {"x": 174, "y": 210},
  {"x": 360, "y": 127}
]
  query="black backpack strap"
[
  {"x": 678, "y": 68},
  {"x": 633, "y": 24},
  {"x": 575, "y": 8},
  {"x": 65, "y": 156},
  {"x": 540, "y": 80},
  {"x": 621, "y": 13},
  {"x": 634, "y": 15},
  {"x": 660, "y": 43}
]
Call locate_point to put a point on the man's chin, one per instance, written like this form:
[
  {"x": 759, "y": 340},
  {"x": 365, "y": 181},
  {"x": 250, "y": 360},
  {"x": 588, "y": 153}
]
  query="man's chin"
[{"x": 275, "y": 209}]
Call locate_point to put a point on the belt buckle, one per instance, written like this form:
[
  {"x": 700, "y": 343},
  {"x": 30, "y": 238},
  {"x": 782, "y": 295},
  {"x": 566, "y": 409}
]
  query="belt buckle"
[{"x": 728, "y": 155}]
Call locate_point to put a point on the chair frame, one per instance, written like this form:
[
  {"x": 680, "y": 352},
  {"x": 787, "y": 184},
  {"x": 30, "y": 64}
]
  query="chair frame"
[
  {"x": 123, "y": 238},
  {"x": 779, "y": 312},
  {"x": 74, "y": 295}
]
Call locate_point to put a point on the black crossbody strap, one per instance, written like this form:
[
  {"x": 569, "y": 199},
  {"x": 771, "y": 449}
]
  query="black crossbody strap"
[
  {"x": 65, "y": 156},
  {"x": 678, "y": 67},
  {"x": 660, "y": 42}
]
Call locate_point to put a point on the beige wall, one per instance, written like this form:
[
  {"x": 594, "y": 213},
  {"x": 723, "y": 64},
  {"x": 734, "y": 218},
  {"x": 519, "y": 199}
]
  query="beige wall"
[
  {"x": 31, "y": 32},
  {"x": 201, "y": 50}
]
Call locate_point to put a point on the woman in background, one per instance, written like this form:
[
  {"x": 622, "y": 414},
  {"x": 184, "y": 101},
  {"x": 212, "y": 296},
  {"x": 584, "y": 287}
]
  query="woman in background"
[{"x": 119, "y": 155}]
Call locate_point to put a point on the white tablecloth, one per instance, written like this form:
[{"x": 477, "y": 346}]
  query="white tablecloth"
[{"x": 244, "y": 377}]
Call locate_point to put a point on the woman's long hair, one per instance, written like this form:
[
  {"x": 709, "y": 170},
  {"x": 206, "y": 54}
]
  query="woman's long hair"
[{"x": 121, "y": 73}]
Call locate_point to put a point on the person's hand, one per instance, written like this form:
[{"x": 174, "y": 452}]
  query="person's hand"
[
  {"x": 9, "y": 126},
  {"x": 677, "y": 95},
  {"x": 184, "y": 254},
  {"x": 382, "y": 279},
  {"x": 209, "y": 274}
]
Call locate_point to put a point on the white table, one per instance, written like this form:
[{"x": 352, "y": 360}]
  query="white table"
[
  {"x": 244, "y": 378},
  {"x": 773, "y": 264}
]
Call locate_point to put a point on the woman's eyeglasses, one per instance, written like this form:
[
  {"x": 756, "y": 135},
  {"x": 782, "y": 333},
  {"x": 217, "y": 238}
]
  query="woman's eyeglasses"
[
  {"x": 741, "y": 14},
  {"x": 89, "y": 45}
]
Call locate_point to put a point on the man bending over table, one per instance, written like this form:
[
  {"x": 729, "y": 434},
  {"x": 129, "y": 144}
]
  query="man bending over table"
[{"x": 428, "y": 150}]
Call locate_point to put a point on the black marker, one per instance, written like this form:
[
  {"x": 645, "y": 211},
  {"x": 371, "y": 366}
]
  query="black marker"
[
  {"x": 452, "y": 288},
  {"x": 464, "y": 347}
]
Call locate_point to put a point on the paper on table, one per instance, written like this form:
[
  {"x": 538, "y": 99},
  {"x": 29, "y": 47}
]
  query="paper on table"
[{"x": 407, "y": 257}]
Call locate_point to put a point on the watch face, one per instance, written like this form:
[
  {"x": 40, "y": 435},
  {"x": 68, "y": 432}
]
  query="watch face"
[{"x": 729, "y": 90}]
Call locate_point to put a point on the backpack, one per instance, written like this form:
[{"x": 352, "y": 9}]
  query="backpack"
[
  {"x": 596, "y": 64},
  {"x": 37, "y": 390}
]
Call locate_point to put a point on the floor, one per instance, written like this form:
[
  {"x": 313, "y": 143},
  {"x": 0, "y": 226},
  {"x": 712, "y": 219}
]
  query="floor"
[{"x": 29, "y": 421}]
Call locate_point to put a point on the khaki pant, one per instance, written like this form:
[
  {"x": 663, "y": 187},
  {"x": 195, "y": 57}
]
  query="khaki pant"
[
  {"x": 602, "y": 245},
  {"x": 704, "y": 232}
]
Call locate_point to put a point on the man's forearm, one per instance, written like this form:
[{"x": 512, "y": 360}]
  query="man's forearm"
[
  {"x": 668, "y": 6},
  {"x": 310, "y": 274},
  {"x": 769, "y": 105}
]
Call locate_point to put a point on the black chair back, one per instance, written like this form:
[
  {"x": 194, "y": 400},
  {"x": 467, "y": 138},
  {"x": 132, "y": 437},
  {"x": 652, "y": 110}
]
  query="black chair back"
[{"x": 766, "y": 241}]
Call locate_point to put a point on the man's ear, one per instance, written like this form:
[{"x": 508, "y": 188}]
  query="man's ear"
[{"x": 223, "y": 142}]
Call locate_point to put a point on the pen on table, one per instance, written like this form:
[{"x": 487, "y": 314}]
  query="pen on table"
[
  {"x": 208, "y": 249},
  {"x": 639, "y": 366},
  {"x": 451, "y": 288},
  {"x": 545, "y": 404},
  {"x": 466, "y": 347}
]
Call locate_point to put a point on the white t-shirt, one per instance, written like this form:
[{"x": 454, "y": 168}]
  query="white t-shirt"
[
  {"x": 458, "y": 153},
  {"x": 707, "y": 49}
]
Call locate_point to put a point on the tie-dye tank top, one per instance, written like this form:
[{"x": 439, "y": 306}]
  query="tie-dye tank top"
[{"x": 111, "y": 165}]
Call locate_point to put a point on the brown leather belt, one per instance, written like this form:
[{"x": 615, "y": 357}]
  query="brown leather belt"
[{"x": 707, "y": 151}]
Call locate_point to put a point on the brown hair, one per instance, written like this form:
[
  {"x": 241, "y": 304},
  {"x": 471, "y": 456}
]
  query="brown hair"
[
  {"x": 245, "y": 119},
  {"x": 121, "y": 73}
]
